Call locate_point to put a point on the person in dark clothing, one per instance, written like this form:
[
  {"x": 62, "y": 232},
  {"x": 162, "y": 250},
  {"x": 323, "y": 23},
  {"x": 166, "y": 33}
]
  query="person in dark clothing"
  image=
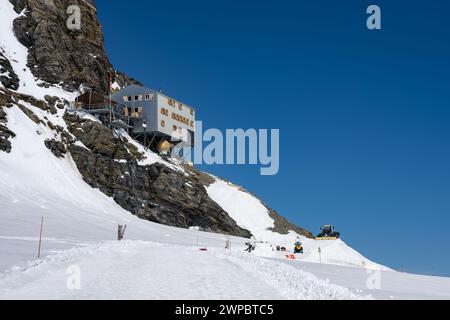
[{"x": 250, "y": 247}]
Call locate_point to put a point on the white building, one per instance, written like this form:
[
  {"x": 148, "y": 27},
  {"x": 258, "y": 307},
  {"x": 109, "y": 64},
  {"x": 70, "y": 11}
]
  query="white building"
[{"x": 157, "y": 115}]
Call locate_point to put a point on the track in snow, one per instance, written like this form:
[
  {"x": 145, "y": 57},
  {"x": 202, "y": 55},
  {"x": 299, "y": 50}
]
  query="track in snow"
[{"x": 146, "y": 270}]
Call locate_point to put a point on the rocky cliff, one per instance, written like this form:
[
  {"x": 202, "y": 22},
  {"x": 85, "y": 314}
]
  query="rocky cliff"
[
  {"x": 58, "y": 55},
  {"x": 107, "y": 160}
]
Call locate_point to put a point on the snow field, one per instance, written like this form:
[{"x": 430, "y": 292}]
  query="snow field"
[{"x": 148, "y": 270}]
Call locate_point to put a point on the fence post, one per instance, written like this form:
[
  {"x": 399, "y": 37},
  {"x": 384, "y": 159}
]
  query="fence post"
[
  {"x": 228, "y": 244},
  {"x": 40, "y": 237},
  {"x": 121, "y": 232},
  {"x": 320, "y": 255}
]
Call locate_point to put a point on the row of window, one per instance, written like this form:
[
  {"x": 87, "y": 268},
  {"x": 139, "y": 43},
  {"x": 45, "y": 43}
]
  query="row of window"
[
  {"x": 177, "y": 117},
  {"x": 175, "y": 128},
  {"x": 165, "y": 112},
  {"x": 182, "y": 119},
  {"x": 178, "y": 105},
  {"x": 147, "y": 97},
  {"x": 132, "y": 112},
  {"x": 173, "y": 103}
]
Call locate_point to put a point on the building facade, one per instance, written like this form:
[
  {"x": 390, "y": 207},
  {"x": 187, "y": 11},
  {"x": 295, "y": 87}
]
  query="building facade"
[{"x": 157, "y": 114}]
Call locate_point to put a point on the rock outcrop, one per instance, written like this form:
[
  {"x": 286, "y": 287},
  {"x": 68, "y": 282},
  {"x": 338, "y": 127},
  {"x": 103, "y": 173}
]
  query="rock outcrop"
[
  {"x": 56, "y": 147},
  {"x": 58, "y": 55},
  {"x": 7, "y": 76},
  {"x": 5, "y": 134},
  {"x": 283, "y": 226},
  {"x": 156, "y": 193}
]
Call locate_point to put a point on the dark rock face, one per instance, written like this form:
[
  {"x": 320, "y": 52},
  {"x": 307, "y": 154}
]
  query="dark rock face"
[
  {"x": 7, "y": 76},
  {"x": 29, "y": 113},
  {"x": 283, "y": 226},
  {"x": 56, "y": 147},
  {"x": 59, "y": 55},
  {"x": 5, "y": 133},
  {"x": 100, "y": 140},
  {"x": 155, "y": 193}
]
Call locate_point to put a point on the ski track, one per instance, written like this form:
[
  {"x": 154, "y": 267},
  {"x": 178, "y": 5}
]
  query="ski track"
[{"x": 162, "y": 271}]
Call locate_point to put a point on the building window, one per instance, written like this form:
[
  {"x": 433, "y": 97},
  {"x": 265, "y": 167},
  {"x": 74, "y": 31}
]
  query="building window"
[
  {"x": 180, "y": 106},
  {"x": 175, "y": 128},
  {"x": 136, "y": 110},
  {"x": 163, "y": 123},
  {"x": 147, "y": 97},
  {"x": 127, "y": 99},
  {"x": 192, "y": 123},
  {"x": 165, "y": 112},
  {"x": 171, "y": 102},
  {"x": 192, "y": 112}
]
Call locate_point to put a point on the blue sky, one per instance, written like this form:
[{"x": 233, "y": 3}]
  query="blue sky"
[{"x": 364, "y": 115}]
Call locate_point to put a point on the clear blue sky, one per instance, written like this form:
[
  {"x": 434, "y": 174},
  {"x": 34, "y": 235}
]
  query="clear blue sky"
[{"x": 364, "y": 115}]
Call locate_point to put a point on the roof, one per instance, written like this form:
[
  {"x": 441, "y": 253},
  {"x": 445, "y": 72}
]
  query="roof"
[{"x": 132, "y": 87}]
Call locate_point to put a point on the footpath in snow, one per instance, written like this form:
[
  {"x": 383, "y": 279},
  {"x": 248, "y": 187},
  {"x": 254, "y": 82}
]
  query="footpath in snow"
[{"x": 147, "y": 270}]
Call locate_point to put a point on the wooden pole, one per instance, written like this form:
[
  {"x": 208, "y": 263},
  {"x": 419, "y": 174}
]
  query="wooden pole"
[
  {"x": 320, "y": 255},
  {"x": 40, "y": 238},
  {"x": 121, "y": 232}
]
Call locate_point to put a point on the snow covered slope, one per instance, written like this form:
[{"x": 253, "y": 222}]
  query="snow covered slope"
[
  {"x": 156, "y": 261},
  {"x": 32, "y": 176},
  {"x": 252, "y": 215},
  {"x": 34, "y": 183}
]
